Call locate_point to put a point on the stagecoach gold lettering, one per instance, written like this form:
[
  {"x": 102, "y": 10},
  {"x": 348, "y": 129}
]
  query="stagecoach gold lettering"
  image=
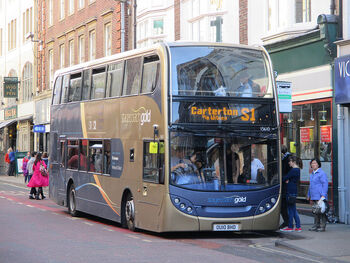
[
  {"x": 140, "y": 115},
  {"x": 247, "y": 114}
]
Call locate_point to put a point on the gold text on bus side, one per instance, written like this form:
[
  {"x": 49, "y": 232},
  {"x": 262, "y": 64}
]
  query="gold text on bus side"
[{"x": 224, "y": 113}]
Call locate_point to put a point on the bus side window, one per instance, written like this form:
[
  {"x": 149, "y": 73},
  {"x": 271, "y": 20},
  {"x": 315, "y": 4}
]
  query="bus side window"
[
  {"x": 64, "y": 95},
  {"x": 98, "y": 86},
  {"x": 62, "y": 154},
  {"x": 75, "y": 87},
  {"x": 106, "y": 156},
  {"x": 153, "y": 161},
  {"x": 72, "y": 155},
  {"x": 86, "y": 85},
  {"x": 115, "y": 79},
  {"x": 57, "y": 91},
  {"x": 95, "y": 156},
  {"x": 132, "y": 76},
  {"x": 151, "y": 74},
  {"x": 83, "y": 156}
]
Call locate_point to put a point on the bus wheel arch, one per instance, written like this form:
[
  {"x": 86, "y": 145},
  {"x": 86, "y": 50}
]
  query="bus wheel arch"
[
  {"x": 128, "y": 210},
  {"x": 71, "y": 199}
]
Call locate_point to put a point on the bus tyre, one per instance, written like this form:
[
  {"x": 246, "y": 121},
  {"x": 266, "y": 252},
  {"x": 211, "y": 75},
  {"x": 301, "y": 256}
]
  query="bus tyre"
[
  {"x": 72, "y": 204},
  {"x": 129, "y": 211}
]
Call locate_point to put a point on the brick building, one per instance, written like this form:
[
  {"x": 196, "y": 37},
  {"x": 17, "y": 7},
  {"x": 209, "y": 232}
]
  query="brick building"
[{"x": 70, "y": 32}]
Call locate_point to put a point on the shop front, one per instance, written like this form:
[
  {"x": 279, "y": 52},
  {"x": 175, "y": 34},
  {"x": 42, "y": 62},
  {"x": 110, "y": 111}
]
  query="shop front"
[{"x": 307, "y": 132}]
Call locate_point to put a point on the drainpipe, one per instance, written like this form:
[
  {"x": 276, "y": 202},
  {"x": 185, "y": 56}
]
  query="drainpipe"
[
  {"x": 341, "y": 163},
  {"x": 122, "y": 26},
  {"x": 135, "y": 6}
]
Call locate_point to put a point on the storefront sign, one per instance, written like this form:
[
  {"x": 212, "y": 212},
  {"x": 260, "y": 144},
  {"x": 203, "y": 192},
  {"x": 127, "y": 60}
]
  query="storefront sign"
[
  {"x": 342, "y": 80},
  {"x": 10, "y": 87},
  {"x": 39, "y": 128},
  {"x": 10, "y": 113},
  {"x": 284, "y": 91},
  {"x": 326, "y": 133}
]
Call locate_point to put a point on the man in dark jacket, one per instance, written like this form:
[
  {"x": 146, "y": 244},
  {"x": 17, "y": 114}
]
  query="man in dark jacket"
[{"x": 285, "y": 170}]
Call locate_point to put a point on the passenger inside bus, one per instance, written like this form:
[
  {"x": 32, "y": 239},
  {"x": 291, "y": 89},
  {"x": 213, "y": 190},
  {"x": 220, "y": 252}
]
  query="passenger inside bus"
[{"x": 247, "y": 87}]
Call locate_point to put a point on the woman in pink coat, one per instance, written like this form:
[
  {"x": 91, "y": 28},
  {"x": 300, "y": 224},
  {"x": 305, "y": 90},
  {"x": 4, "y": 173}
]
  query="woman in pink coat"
[{"x": 38, "y": 180}]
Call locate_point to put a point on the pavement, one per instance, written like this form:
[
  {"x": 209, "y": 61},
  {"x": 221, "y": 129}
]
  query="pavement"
[{"x": 332, "y": 245}]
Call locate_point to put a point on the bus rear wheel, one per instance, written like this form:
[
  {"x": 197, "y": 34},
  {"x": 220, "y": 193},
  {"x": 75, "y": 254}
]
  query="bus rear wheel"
[
  {"x": 129, "y": 211},
  {"x": 72, "y": 204}
]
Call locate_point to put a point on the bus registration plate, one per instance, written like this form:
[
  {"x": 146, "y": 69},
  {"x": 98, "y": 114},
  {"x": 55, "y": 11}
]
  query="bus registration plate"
[{"x": 226, "y": 227}]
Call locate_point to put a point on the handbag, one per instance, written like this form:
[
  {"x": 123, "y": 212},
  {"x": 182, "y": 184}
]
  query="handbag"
[
  {"x": 291, "y": 199},
  {"x": 43, "y": 170}
]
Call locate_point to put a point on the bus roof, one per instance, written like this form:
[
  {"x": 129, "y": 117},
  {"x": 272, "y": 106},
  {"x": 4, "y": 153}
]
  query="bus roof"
[{"x": 103, "y": 60}]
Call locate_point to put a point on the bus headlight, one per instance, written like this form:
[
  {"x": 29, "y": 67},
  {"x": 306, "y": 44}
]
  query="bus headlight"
[
  {"x": 261, "y": 209},
  {"x": 273, "y": 200},
  {"x": 183, "y": 205},
  {"x": 266, "y": 205}
]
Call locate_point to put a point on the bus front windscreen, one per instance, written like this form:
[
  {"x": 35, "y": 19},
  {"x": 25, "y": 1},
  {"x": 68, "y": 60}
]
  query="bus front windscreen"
[
  {"x": 212, "y": 163},
  {"x": 220, "y": 71}
]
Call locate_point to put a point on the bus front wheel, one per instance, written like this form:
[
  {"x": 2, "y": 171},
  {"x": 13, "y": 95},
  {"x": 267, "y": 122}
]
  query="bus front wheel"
[
  {"x": 129, "y": 211},
  {"x": 72, "y": 204}
]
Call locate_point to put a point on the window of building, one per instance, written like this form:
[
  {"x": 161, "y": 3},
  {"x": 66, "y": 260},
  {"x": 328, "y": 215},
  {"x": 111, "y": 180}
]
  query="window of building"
[
  {"x": 0, "y": 42},
  {"x": 12, "y": 32},
  {"x": 61, "y": 9},
  {"x": 115, "y": 79},
  {"x": 108, "y": 39},
  {"x": 50, "y": 67},
  {"x": 132, "y": 76},
  {"x": 71, "y": 7},
  {"x": 61, "y": 55},
  {"x": 81, "y": 4},
  {"x": 71, "y": 52},
  {"x": 98, "y": 83},
  {"x": 50, "y": 3},
  {"x": 302, "y": 11},
  {"x": 158, "y": 27},
  {"x": 92, "y": 45},
  {"x": 307, "y": 133},
  {"x": 81, "y": 48},
  {"x": 27, "y": 82}
]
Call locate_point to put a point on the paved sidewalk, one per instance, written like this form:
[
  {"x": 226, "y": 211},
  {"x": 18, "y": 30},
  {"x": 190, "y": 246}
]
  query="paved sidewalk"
[
  {"x": 332, "y": 245},
  {"x": 19, "y": 180}
]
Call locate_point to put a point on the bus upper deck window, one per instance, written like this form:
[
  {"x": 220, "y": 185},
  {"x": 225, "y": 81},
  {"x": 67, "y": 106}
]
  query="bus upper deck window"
[
  {"x": 132, "y": 76},
  {"x": 151, "y": 74},
  {"x": 65, "y": 87},
  {"x": 98, "y": 86},
  {"x": 115, "y": 79},
  {"x": 74, "y": 93},
  {"x": 86, "y": 85},
  {"x": 57, "y": 91}
]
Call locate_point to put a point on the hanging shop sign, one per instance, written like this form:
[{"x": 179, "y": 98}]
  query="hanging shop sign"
[
  {"x": 10, "y": 87},
  {"x": 284, "y": 91},
  {"x": 10, "y": 113},
  {"x": 342, "y": 80}
]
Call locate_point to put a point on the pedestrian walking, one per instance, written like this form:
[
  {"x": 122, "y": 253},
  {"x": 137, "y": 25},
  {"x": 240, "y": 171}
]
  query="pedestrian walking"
[
  {"x": 292, "y": 180},
  {"x": 24, "y": 167},
  {"x": 12, "y": 157},
  {"x": 317, "y": 193},
  {"x": 30, "y": 164},
  {"x": 285, "y": 170}
]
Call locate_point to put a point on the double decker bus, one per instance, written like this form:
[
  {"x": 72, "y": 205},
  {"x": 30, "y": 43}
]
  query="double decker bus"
[{"x": 175, "y": 137}]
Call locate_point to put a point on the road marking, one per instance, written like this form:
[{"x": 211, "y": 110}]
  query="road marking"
[
  {"x": 266, "y": 249},
  {"x": 133, "y": 236},
  {"x": 72, "y": 218},
  {"x": 29, "y": 205},
  {"x": 89, "y": 224},
  {"x": 146, "y": 240},
  {"x": 108, "y": 229}
]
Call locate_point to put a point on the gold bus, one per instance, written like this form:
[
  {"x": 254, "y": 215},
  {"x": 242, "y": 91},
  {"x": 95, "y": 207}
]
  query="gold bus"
[{"x": 175, "y": 137}]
